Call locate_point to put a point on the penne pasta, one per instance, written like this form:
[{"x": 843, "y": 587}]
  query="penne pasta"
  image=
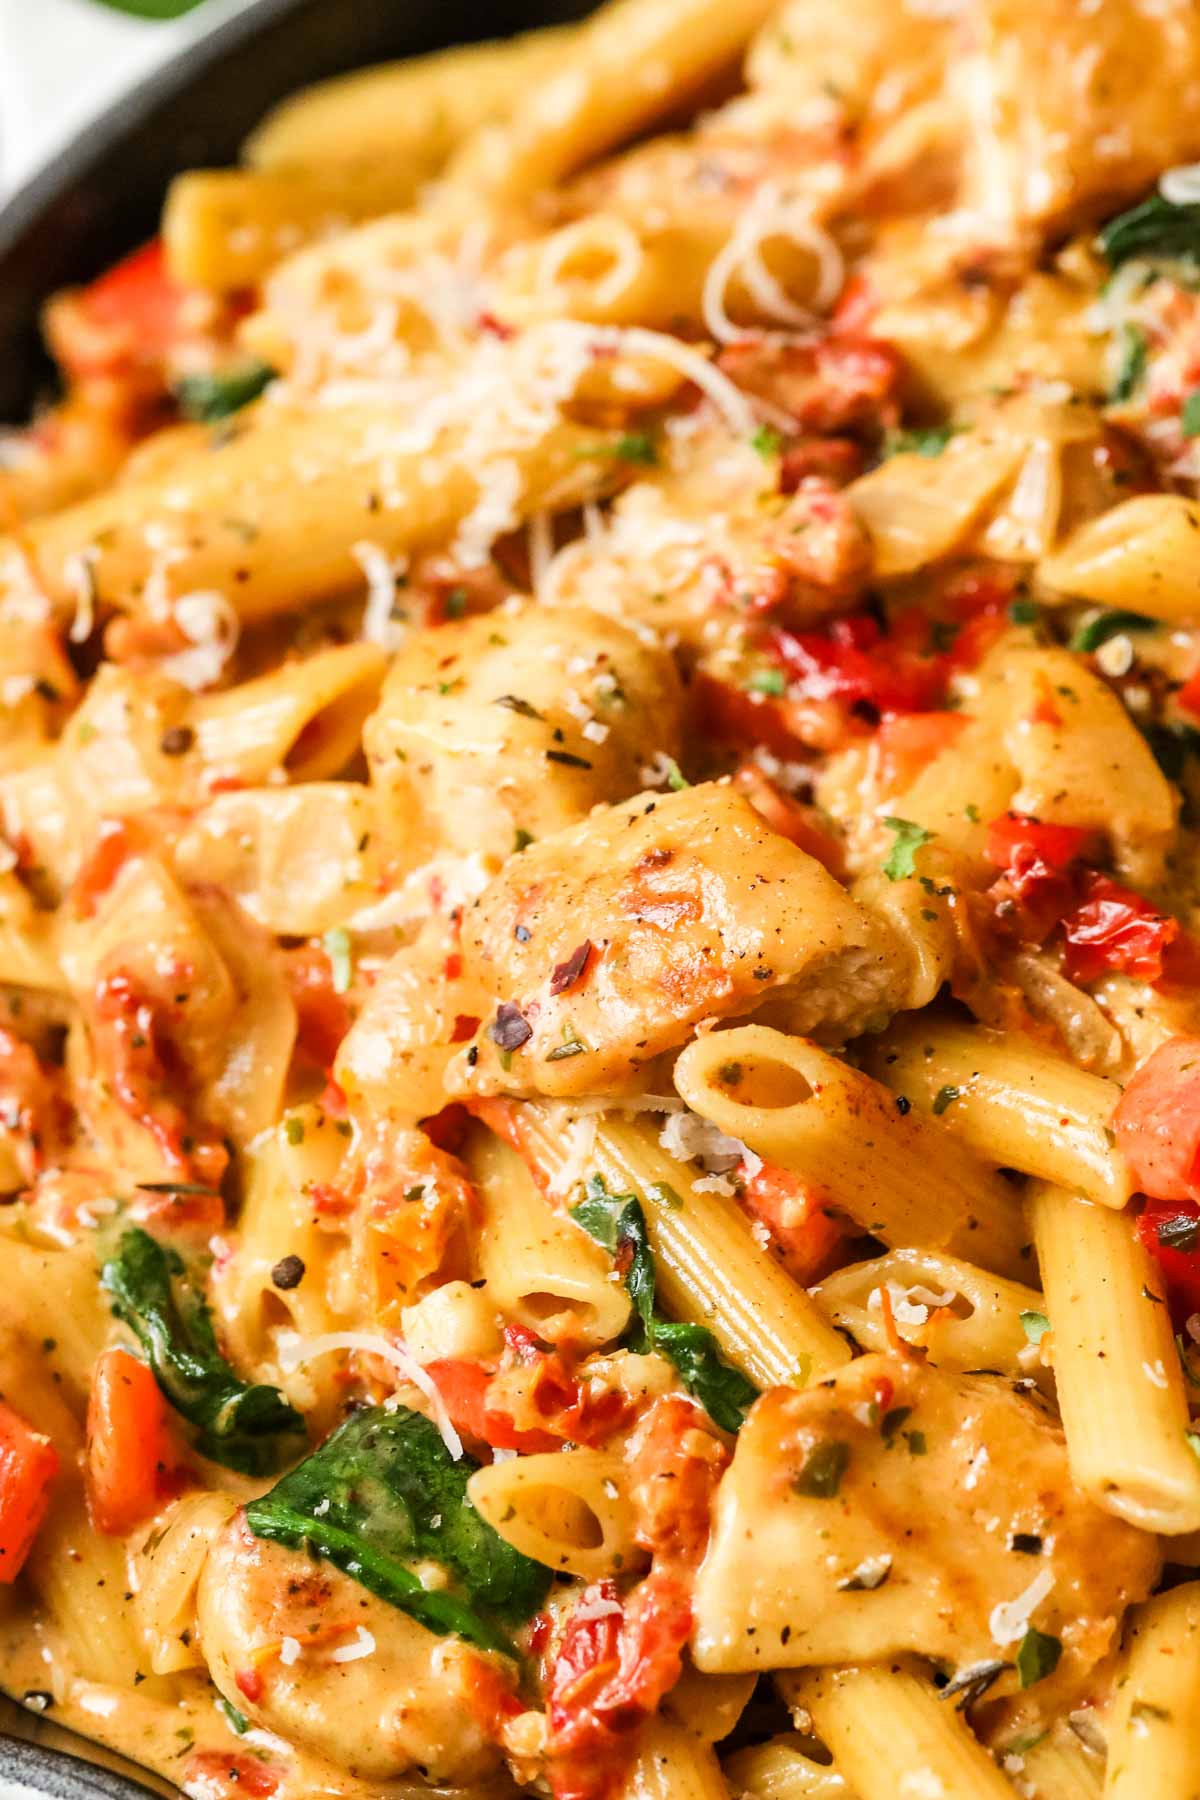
[
  {"x": 888, "y": 1731},
  {"x": 898, "y": 1178},
  {"x": 1012, "y": 1102},
  {"x": 711, "y": 1267},
  {"x": 1152, "y": 1742},
  {"x": 1117, "y": 1371}
]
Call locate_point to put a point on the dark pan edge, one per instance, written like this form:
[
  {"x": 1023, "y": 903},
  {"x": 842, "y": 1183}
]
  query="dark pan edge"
[{"x": 51, "y": 1774}]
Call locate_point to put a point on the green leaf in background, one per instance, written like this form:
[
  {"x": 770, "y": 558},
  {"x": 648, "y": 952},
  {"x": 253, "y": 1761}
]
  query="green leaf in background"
[{"x": 152, "y": 9}]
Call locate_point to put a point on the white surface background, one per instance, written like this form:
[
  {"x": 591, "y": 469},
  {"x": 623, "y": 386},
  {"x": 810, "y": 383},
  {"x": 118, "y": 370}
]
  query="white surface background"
[{"x": 63, "y": 61}]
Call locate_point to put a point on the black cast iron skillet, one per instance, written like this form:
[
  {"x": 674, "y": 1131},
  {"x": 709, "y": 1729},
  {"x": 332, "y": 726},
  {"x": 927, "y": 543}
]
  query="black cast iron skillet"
[
  {"x": 98, "y": 199},
  {"x": 103, "y": 194}
]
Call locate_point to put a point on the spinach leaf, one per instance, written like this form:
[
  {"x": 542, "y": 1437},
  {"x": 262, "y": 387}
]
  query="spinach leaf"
[
  {"x": 209, "y": 398},
  {"x": 1157, "y": 230},
  {"x": 617, "y": 1222},
  {"x": 249, "y": 1428},
  {"x": 384, "y": 1492}
]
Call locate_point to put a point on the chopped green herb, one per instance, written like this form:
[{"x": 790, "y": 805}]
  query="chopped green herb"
[
  {"x": 767, "y": 441},
  {"x": 249, "y": 1428},
  {"x": 917, "y": 1443},
  {"x": 1097, "y": 631},
  {"x": 294, "y": 1130},
  {"x": 767, "y": 681},
  {"x": 1035, "y": 1325},
  {"x": 972, "y": 812},
  {"x": 384, "y": 1494},
  {"x": 945, "y": 1096},
  {"x": 456, "y": 603},
  {"x": 1037, "y": 1656},
  {"x": 1192, "y": 1439},
  {"x": 341, "y": 957},
  {"x": 821, "y": 1476},
  {"x": 521, "y": 840},
  {"x": 892, "y": 1421},
  {"x": 929, "y": 440},
  {"x": 900, "y": 863},
  {"x": 636, "y": 447},
  {"x": 236, "y": 1721},
  {"x": 516, "y": 704},
  {"x": 667, "y": 1195},
  {"x": 209, "y": 398},
  {"x": 1023, "y": 611},
  {"x": 675, "y": 779},
  {"x": 1131, "y": 363}
]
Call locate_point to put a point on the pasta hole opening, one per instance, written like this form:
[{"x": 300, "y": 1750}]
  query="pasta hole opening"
[
  {"x": 328, "y": 741},
  {"x": 761, "y": 1082},
  {"x": 567, "y": 1519}
]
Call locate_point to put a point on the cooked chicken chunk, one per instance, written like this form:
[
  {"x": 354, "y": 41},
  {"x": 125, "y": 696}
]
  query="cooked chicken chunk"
[
  {"x": 512, "y": 725},
  {"x": 904, "y": 1502},
  {"x": 611, "y": 942}
]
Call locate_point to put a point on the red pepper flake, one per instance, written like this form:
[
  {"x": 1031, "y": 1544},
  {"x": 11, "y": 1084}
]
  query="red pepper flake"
[
  {"x": 465, "y": 1026},
  {"x": 510, "y": 1028},
  {"x": 250, "y": 1683},
  {"x": 566, "y": 974}
]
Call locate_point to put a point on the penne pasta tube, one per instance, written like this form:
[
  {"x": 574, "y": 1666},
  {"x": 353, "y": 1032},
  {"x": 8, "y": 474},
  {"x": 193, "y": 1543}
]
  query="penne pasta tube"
[
  {"x": 1058, "y": 1767},
  {"x": 408, "y": 114},
  {"x": 1120, "y": 1386},
  {"x": 539, "y": 1267},
  {"x": 1140, "y": 555},
  {"x": 897, "y": 1175},
  {"x": 672, "y": 1764},
  {"x": 224, "y": 229},
  {"x": 271, "y": 520},
  {"x": 1153, "y": 1732},
  {"x": 963, "y": 1316},
  {"x": 632, "y": 59},
  {"x": 1011, "y": 1101},
  {"x": 568, "y": 1509},
  {"x": 890, "y": 1734},
  {"x": 711, "y": 1267},
  {"x": 781, "y": 1769}
]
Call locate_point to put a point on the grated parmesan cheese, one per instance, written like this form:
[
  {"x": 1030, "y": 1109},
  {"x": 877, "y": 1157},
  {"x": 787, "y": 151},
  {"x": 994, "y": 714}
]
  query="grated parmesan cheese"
[
  {"x": 770, "y": 215},
  {"x": 363, "y": 1645},
  {"x": 383, "y": 573},
  {"x": 211, "y": 625},
  {"x": 293, "y": 1350},
  {"x": 289, "y": 1651},
  {"x": 1009, "y": 1621}
]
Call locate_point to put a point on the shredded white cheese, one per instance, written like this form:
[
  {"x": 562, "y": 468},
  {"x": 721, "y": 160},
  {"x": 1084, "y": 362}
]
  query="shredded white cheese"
[
  {"x": 292, "y": 1350},
  {"x": 363, "y": 1645},
  {"x": 289, "y": 1651},
  {"x": 383, "y": 574},
  {"x": 1009, "y": 1621},
  {"x": 770, "y": 215},
  {"x": 211, "y": 625}
]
